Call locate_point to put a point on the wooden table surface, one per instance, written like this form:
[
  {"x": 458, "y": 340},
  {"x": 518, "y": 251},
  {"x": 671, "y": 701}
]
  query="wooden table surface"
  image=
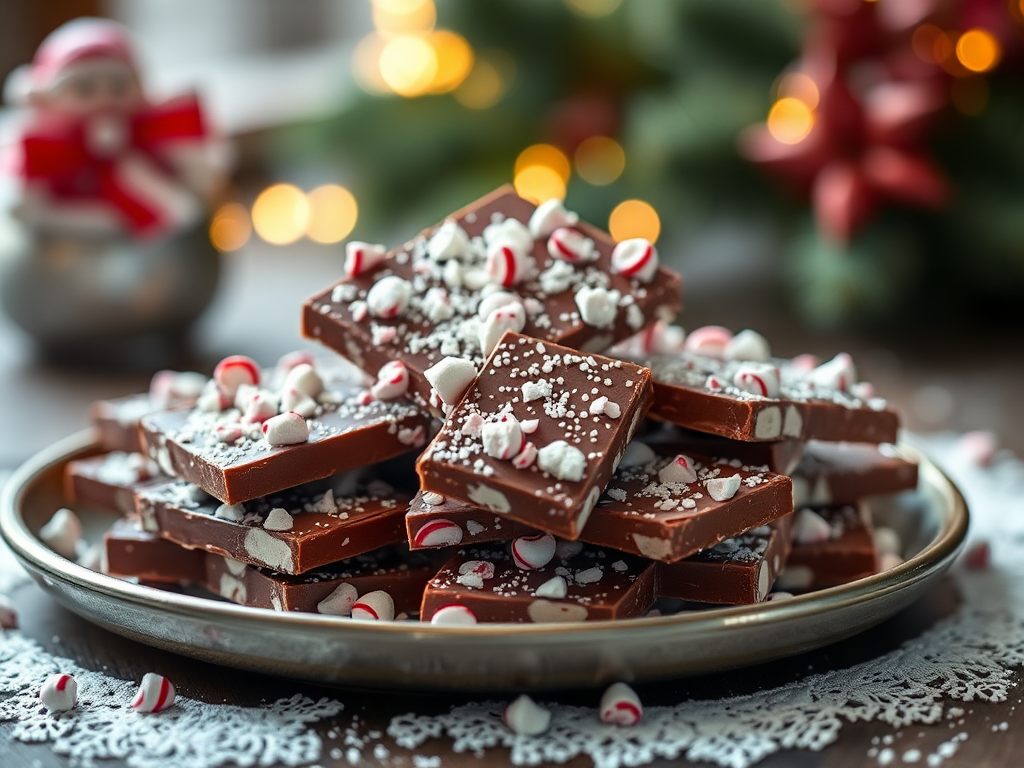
[{"x": 951, "y": 377}]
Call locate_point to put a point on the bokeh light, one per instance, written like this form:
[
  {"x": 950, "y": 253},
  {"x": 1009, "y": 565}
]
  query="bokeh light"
[
  {"x": 547, "y": 156},
  {"x": 634, "y": 218},
  {"x": 593, "y": 8},
  {"x": 797, "y": 85},
  {"x": 280, "y": 214},
  {"x": 600, "y": 160},
  {"x": 408, "y": 64},
  {"x": 333, "y": 213},
  {"x": 978, "y": 50},
  {"x": 932, "y": 44},
  {"x": 454, "y": 58},
  {"x": 230, "y": 227},
  {"x": 404, "y": 17},
  {"x": 538, "y": 183},
  {"x": 366, "y": 64},
  {"x": 790, "y": 120}
]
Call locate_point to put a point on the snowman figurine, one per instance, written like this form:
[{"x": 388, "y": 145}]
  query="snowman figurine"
[{"x": 104, "y": 253}]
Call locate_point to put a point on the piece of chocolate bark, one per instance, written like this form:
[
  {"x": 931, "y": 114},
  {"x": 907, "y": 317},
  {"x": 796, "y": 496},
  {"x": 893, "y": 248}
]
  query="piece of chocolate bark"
[
  {"x": 117, "y": 421},
  {"x": 832, "y": 545},
  {"x": 434, "y": 521},
  {"x": 109, "y": 481},
  {"x": 580, "y": 583},
  {"x": 129, "y": 551},
  {"x": 293, "y": 531},
  {"x": 252, "y": 434},
  {"x": 731, "y": 386},
  {"x": 500, "y": 263},
  {"x": 538, "y": 434},
  {"x": 845, "y": 473},
  {"x": 738, "y": 571},
  {"x": 781, "y": 456}
]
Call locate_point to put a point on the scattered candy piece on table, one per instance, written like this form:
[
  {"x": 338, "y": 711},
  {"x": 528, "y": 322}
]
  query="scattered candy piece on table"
[
  {"x": 59, "y": 692},
  {"x": 156, "y": 693},
  {"x": 63, "y": 533},
  {"x": 621, "y": 706},
  {"x": 526, "y": 718}
]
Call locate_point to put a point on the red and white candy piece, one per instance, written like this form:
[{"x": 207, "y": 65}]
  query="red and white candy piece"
[
  {"x": 758, "y": 379},
  {"x": 748, "y": 345},
  {"x": 525, "y": 458},
  {"x": 532, "y": 552},
  {"x": 62, "y": 533},
  {"x": 170, "y": 388},
  {"x": 156, "y": 693},
  {"x": 438, "y": 533},
  {"x": 723, "y": 488},
  {"x": 228, "y": 432},
  {"x": 811, "y": 528},
  {"x": 507, "y": 263},
  {"x": 838, "y": 373},
  {"x": 662, "y": 339},
  {"x": 804, "y": 363},
  {"x": 389, "y": 297},
  {"x": 679, "y": 470},
  {"x": 502, "y": 439},
  {"x": 287, "y": 429},
  {"x": 261, "y": 405},
  {"x": 296, "y": 400},
  {"x": 637, "y": 258},
  {"x": 59, "y": 692},
  {"x": 714, "y": 383},
  {"x": 392, "y": 381},
  {"x": 340, "y": 601},
  {"x": 8, "y": 615},
  {"x": 493, "y": 301},
  {"x": 526, "y": 717},
  {"x": 597, "y": 307},
  {"x": 709, "y": 340},
  {"x": 979, "y": 447},
  {"x": 472, "y": 573},
  {"x": 374, "y": 606},
  {"x": 511, "y": 317},
  {"x": 621, "y": 706},
  {"x": 232, "y": 372},
  {"x": 509, "y": 230},
  {"x": 549, "y": 216},
  {"x": 450, "y": 241},
  {"x": 360, "y": 258},
  {"x": 453, "y": 616},
  {"x": 290, "y": 359},
  {"x": 304, "y": 378},
  {"x": 571, "y": 245},
  {"x": 450, "y": 377}
]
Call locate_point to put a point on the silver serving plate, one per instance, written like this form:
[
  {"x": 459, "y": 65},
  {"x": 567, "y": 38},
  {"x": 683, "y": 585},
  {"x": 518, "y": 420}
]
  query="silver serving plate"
[{"x": 932, "y": 523}]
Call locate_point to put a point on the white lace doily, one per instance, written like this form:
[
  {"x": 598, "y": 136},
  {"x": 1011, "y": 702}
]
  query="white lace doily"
[{"x": 972, "y": 655}]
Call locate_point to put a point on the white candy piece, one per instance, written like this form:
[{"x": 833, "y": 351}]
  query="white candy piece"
[
  {"x": 290, "y": 359},
  {"x": 748, "y": 345},
  {"x": 374, "y": 606},
  {"x": 438, "y": 533},
  {"x": 723, "y": 488},
  {"x": 278, "y": 519},
  {"x": 493, "y": 301},
  {"x": 758, "y": 379},
  {"x": 838, "y": 373},
  {"x": 298, "y": 401},
  {"x": 566, "y": 550},
  {"x": 59, "y": 692},
  {"x": 360, "y": 258},
  {"x": 811, "y": 528},
  {"x": 449, "y": 242},
  {"x": 597, "y": 306},
  {"x": 261, "y": 405},
  {"x": 8, "y": 614},
  {"x": 509, "y": 230},
  {"x": 472, "y": 425},
  {"x": 549, "y": 216},
  {"x": 564, "y": 461},
  {"x": 232, "y": 372},
  {"x": 679, "y": 470},
  {"x": 636, "y": 258},
  {"x": 713, "y": 384},
  {"x": 392, "y": 381},
  {"x": 532, "y": 552},
  {"x": 156, "y": 693},
  {"x": 779, "y": 596},
  {"x": 62, "y": 533},
  {"x": 450, "y": 377},
  {"x": 233, "y": 512},
  {"x": 511, "y": 317},
  {"x": 621, "y": 706},
  {"x": 287, "y": 429},
  {"x": 453, "y": 616},
  {"x": 525, "y": 717},
  {"x": 709, "y": 340},
  {"x": 170, "y": 388},
  {"x": 602, "y": 405},
  {"x": 507, "y": 263},
  {"x": 525, "y": 457},
  {"x": 502, "y": 439},
  {"x": 663, "y": 339},
  {"x": 473, "y": 572},
  {"x": 389, "y": 297},
  {"x": 571, "y": 246},
  {"x": 432, "y": 499},
  {"x": 340, "y": 601},
  {"x": 637, "y": 454},
  {"x": 304, "y": 378}
]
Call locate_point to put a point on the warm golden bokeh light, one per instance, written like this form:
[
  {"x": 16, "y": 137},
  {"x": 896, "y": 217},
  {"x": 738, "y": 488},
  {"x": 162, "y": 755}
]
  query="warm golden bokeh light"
[
  {"x": 600, "y": 160},
  {"x": 538, "y": 183},
  {"x": 978, "y": 50},
  {"x": 408, "y": 64},
  {"x": 634, "y": 218},
  {"x": 931, "y": 44},
  {"x": 593, "y": 8},
  {"x": 797, "y": 85},
  {"x": 790, "y": 120},
  {"x": 333, "y": 213},
  {"x": 454, "y": 60},
  {"x": 230, "y": 228},
  {"x": 366, "y": 64},
  {"x": 545, "y": 155},
  {"x": 404, "y": 17},
  {"x": 280, "y": 214},
  {"x": 482, "y": 88}
]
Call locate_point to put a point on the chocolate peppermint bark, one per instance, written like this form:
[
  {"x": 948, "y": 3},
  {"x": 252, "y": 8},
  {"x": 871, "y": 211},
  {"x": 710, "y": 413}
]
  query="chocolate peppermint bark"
[
  {"x": 781, "y": 456},
  {"x": 434, "y": 521},
  {"x": 538, "y": 434},
  {"x": 290, "y": 532},
  {"x": 109, "y": 481},
  {"x": 731, "y": 386},
  {"x": 845, "y": 473},
  {"x": 500, "y": 263},
  {"x": 255, "y": 433},
  {"x": 117, "y": 421},
  {"x": 832, "y": 545},
  {"x": 130, "y": 552},
  {"x": 578, "y": 583}
]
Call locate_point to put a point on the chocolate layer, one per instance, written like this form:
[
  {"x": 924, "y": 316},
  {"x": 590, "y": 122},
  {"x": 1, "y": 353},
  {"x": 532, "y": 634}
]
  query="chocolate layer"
[
  {"x": 117, "y": 422},
  {"x": 847, "y": 555},
  {"x": 845, "y": 473},
  {"x": 434, "y": 521},
  {"x": 781, "y": 456},
  {"x": 130, "y": 551},
  {"x": 109, "y": 481}
]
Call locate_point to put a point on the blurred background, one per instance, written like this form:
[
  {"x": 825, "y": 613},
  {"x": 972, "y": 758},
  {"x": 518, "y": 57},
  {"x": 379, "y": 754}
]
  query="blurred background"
[{"x": 838, "y": 174}]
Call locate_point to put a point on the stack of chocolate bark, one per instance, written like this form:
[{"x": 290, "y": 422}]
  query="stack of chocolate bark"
[{"x": 512, "y": 433}]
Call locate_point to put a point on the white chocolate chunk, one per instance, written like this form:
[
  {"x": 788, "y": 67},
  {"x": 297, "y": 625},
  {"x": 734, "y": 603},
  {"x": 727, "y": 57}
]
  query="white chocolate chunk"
[
  {"x": 278, "y": 519},
  {"x": 450, "y": 377},
  {"x": 723, "y": 488},
  {"x": 564, "y": 461},
  {"x": 748, "y": 345},
  {"x": 340, "y": 601}
]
